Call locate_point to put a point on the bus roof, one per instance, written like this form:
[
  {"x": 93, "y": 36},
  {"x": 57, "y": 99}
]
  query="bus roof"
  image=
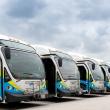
[
  {"x": 10, "y": 38},
  {"x": 77, "y": 56},
  {"x": 15, "y": 43},
  {"x": 80, "y": 58},
  {"x": 46, "y": 50},
  {"x": 42, "y": 49}
]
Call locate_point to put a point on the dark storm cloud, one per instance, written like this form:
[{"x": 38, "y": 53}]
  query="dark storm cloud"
[
  {"x": 94, "y": 10},
  {"x": 24, "y": 8}
]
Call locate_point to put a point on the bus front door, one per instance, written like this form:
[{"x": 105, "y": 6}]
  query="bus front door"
[
  {"x": 83, "y": 78},
  {"x": 50, "y": 76}
]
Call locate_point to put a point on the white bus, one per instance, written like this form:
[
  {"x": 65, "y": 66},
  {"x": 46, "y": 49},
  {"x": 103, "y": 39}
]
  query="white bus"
[
  {"x": 91, "y": 76},
  {"x": 22, "y": 76},
  {"x": 106, "y": 72},
  {"x": 62, "y": 74}
]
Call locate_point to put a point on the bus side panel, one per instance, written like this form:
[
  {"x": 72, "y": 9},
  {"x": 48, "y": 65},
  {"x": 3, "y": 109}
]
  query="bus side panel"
[
  {"x": 0, "y": 88},
  {"x": 1, "y": 82}
]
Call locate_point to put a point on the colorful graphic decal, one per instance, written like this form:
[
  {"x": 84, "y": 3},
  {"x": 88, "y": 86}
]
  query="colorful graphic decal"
[
  {"x": 43, "y": 89},
  {"x": 62, "y": 87},
  {"x": 0, "y": 85},
  {"x": 87, "y": 85},
  {"x": 12, "y": 88},
  {"x": 107, "y": 84},
  {"x": 0, "y": 88}
]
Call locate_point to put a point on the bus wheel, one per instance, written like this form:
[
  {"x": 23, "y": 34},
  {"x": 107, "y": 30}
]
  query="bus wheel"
[
  {"x": 13, "y": 103},
  {"x": 59, "y": 95},
  {"x": 10, "y": 101}
]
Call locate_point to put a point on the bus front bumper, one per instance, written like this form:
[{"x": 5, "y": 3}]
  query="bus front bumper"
[
  {"x": 95, "y": 91},
  {"x": 22, "y": 97},
  {"x": 69, "y": 92}
]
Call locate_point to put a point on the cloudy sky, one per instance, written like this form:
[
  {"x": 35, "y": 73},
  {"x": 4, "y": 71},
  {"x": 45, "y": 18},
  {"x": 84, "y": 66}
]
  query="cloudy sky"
[{"x": 80, "y": 26}]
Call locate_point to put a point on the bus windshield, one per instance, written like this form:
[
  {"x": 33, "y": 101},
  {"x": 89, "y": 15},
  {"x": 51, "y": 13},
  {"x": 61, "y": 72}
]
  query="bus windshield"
[
  {"x": 96, "y": 72},
  {"x": 16, "y": 45},
  {"x": 25, "y": 65},
  {"x": 68, "y": 69},
  {"x": 105, "y": 67}
]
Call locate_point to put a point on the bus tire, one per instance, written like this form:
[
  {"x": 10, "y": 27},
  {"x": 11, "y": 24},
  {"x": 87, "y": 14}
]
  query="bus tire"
[
  {"x": 59, "y": 95},
  {"x": 9, "y": 100}
]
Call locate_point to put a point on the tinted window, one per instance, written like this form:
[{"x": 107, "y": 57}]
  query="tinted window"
[
  {"x": 16, "y": 45},
  {"x": 24, "y": 65},
  {"x": 60, "y": 54},
  {"x": 97, "y": 72},
  {"x": 68, "y": 69}
]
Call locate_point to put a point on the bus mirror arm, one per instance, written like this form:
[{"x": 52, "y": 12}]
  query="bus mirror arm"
[
  {"x": 109, "y": 70},
  {"x": 60, "y": 62},
  {"x": 93, "y": 66},
  {"x": 7, "y": 52}
]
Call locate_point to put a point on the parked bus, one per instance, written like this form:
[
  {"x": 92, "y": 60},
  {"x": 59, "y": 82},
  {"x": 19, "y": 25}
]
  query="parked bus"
[
  {"x": 106, "y": 72},
  {"x": 22, "y": 76},
  {"x": 62, "y": 74},
  {"x": 91, "y": 76}
]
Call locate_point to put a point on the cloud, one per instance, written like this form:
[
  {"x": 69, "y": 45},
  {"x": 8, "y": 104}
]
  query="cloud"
[
  {"x": 72, "y": 25},
  {"x": 94, "y": 10},
  {"x": 24, "y": 9}
]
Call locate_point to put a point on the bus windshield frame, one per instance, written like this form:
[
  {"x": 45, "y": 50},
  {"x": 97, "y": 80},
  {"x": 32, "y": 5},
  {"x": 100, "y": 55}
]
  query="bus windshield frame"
[
  {"x": 105, "y": 67},
  {"x": 16, "y": 45},
  {"x": 68, "y": 70},
  {"x": 25, "y": 65},
  {"x": 97, "y": 72}
]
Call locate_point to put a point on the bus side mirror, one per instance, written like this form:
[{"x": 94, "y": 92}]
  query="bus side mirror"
[
  {"x": 93, "y": 66},
  {"x": 7, "y": 52},
  {"x": 60, "y": 62},
  {"x": 109, "y": 70}
]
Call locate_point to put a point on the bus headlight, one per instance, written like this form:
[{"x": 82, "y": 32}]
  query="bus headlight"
[
  {"x": 92, "y": 86},
  {"x": 60, "y": 86},
  {"x": 108, "y": 84}
]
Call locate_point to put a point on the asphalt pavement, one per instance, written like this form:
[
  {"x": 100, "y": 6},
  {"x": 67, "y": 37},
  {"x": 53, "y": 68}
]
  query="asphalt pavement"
[{"x": 87, "y": 102}]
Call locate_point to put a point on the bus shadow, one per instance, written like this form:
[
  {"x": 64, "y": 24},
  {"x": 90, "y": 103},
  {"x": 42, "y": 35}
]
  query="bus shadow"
[
  {"x": 106, "y": 93},
  {"x": 27, "y": 105},
  {"x": 61, "y": 100},
  {"x": 91, "y": 95},
  {"x": 18, "y": 106}
]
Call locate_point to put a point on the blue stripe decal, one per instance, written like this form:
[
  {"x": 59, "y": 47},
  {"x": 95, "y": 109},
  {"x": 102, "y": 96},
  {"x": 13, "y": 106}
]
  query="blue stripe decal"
[
  {"x": 0, "y": 88},
  {"x": 10, "y": 89},
  {"x": 88, "y": 85},
  {"x": 62, "y": 88}
]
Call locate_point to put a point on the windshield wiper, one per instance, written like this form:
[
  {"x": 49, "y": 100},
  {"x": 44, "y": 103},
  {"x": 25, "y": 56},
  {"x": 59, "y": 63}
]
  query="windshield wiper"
[
  {"x": 28, "y": 73},
  {"x": 70, "y": 76},
  {"x": 34, "y": 75}
]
